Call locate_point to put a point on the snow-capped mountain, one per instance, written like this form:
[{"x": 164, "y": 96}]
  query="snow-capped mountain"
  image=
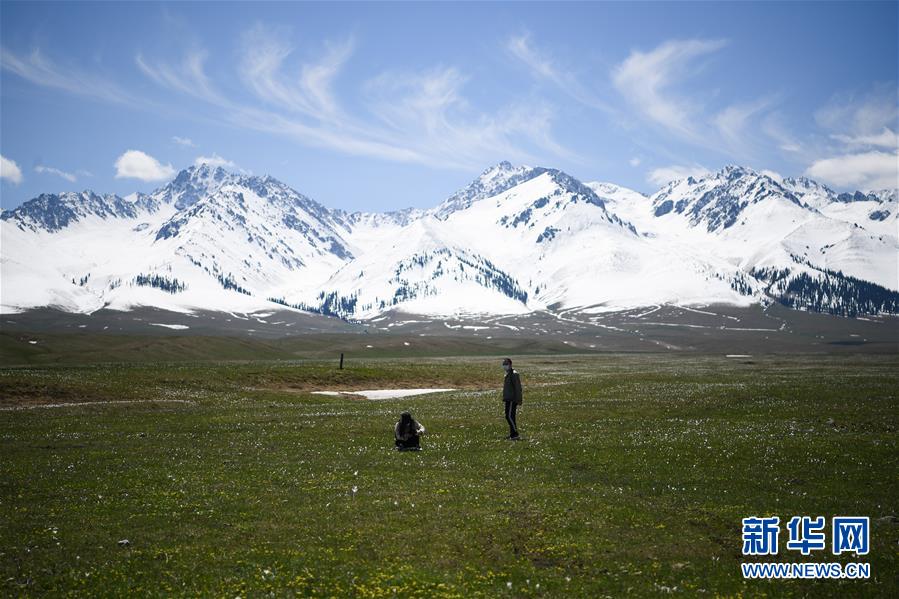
[
  {"x": 516, "y": 240},
  {"x": 53, "y": 212},
  {"x": 492, "y": 182},
  {"x": 718, "y": 202},
  {"x": 875, "y": 211},
  {"x": 756, "y": 222},
  {"x": 206, "y": 232}
]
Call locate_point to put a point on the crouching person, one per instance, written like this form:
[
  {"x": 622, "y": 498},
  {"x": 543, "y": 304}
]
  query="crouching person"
[{"x": 407, "y": 432}]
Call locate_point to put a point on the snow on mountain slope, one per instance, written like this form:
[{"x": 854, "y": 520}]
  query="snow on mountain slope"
[
  {"x": 491, "y": 182},
  {"x": 571, "y": 251},
  {"x": 545, "y": 240},
  {"x": 216, "y": 240},
  {"x": 876, "y": 211},
  {"x": 52, "y": 244},
  {"x": 716, "y": 202},
  {"x": 259, "y": 229},
  {"x": 754, "y": 221},
  {"x": 517, "y": 239},
  {"x": 362, "y": 230},
  {"x": 630, "y": 205},
  {"x": 54, "y": 212},
  {"x": 421, "y": 270}
]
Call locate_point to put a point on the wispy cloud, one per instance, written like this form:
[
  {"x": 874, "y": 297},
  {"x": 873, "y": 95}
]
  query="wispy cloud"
[
  {"x": 542, "y": 66},
  {"x": 55, "y": 171},
  {"x": 134, "y": 164},
  {"x": 184, "y": 141},
  {"x": 10, "y": 171},
  {"x": 862, "y": 120},
  {"x": 214, "y": 160},
  {"x": 733, "y": 123},
  {"x": 40, "y": 70},
  {"x": 857, "y": 116},
  {"x": 887, "y": 138},
  {"x": 431, "y": 114},
  {"x": 420, "y": 117},
  {"x": 264, "y": 52},
  {"x": 188, "y": 77},
  {"x": 662, "y": 86},
  {"x": 647, "y": 81},
  {"x": 773, "y": 126}
]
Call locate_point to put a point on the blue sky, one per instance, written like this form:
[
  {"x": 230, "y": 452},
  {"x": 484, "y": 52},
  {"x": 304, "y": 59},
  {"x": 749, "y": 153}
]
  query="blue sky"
[{"x": 378, "y": 106}]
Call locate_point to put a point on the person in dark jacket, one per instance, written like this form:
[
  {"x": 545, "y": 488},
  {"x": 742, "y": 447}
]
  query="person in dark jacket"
[
  {"x": 511, "y": 397},
  {"x": 408, "y": 432}
]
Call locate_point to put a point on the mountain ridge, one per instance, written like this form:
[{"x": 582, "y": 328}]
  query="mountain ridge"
[{"x": 516, "y": 239}]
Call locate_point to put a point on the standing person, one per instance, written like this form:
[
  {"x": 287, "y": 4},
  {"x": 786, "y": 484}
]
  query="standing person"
[
  {"x": 407, "y": 432},
  {"x": 511, "y": 397}
]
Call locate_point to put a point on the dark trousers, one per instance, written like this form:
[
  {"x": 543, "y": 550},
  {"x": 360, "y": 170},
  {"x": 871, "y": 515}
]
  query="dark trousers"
[
  {"x": 412, "y": 441},
  {"x": 511, "y": 406}
]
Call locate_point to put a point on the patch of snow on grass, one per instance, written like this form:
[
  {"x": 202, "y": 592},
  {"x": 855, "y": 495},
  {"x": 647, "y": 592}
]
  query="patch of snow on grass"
[{"x": 383, "y": 393}]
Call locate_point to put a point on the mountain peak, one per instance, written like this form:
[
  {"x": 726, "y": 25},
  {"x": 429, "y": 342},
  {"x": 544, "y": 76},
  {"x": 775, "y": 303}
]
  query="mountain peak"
[
  {"x": 192, "y": 184},
  {"x": 489, "y": 183},
  {"x": 53, "y": 212},
  {"x": 736, "y": 171},
  {"x": 717, "y": 201},
  {"x": 203, "y": 172}
]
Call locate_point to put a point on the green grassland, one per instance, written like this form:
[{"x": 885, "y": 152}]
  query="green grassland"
[
  {"x": 233, "y": 479},
  {"x": 93, "y": 348}
]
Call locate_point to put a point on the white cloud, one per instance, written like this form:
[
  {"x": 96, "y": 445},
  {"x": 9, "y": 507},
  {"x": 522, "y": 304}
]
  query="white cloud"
[
  {"x": 866, "y": 170},
  {"x": 864, "y": 124},
  {"x": 887, "y": 138},
  {"x": 634, "y": 162},
  {"x": 214, "y": 160},
  {"x": 184, "y": 141},
  {"x": 135, "y": 164},
  {"x": 665, "y": 174},
  {"x": 10, "y": 171},
  {"x": 773, "y": 175},
  {"x": 646, "y": 80},
  {"x": 55, "y": 171}
]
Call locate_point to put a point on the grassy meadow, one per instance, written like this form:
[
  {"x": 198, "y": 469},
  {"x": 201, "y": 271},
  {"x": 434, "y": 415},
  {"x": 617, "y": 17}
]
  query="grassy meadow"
[{"x": 232, "y": 479}]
